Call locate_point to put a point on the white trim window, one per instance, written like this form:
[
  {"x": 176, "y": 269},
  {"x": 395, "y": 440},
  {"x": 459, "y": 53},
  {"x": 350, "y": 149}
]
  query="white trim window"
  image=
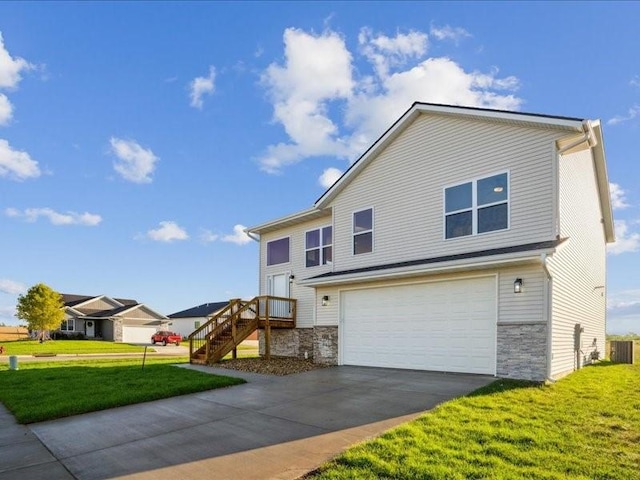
[
  {"x": 476, "y": 207},
  {"x": 68, "y": 325},
  {"x": 363, "y": 231},
  {"x": 318, "y": 247},
  {"x": 278, "y": 251}
]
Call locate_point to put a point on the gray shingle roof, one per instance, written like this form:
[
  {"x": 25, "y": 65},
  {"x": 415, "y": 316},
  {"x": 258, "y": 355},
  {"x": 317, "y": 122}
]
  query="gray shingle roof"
[{"x": 203, "y": 310}]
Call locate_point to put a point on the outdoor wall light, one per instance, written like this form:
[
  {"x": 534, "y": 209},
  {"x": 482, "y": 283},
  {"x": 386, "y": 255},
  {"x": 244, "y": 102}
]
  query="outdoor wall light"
[
  {"x": 325, "y": 300},
  {"x": 291, "y": 278},
  {"x": 517, "y": 285}
]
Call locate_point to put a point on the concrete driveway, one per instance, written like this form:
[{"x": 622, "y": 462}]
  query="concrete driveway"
[{"x": 271, "y": 427}]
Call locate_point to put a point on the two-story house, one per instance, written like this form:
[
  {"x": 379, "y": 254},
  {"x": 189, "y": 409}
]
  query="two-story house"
[{"x": 463, "y": 240}]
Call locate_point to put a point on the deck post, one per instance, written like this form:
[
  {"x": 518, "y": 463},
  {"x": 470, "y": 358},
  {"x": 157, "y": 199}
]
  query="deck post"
[
  {"x": 267, "y": 332},
  {"x": 234, "y": 321}
]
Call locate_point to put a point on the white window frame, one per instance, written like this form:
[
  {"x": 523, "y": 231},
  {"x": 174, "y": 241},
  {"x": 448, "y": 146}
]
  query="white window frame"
[
  {"x": 66, "y": 324},
  {"x": 474, "y": 205},
  {"x": 372, "y": 230},
  {"x": 321, "y": 247},
  {"x": 266, "y": 252}
]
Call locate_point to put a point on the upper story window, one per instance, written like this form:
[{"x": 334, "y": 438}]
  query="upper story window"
[
  {"x": 319, "y": 247},
  {"x": 278, "y": 251},
  {"x": 478, "y": 206},
  {"x": 363, "y": 231}
]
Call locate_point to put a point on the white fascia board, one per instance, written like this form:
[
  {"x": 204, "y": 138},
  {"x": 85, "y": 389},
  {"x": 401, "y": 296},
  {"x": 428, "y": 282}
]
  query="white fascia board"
[
  {"x": 532, "y": 257},
  {"x": 298, "y": 217},
  {"x": 99, "y": 297},
  {"x": 602, "y": 180}
]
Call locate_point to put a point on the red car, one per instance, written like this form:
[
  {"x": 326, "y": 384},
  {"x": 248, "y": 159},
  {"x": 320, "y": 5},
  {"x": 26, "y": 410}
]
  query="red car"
[{"x": 165, "y": 337}]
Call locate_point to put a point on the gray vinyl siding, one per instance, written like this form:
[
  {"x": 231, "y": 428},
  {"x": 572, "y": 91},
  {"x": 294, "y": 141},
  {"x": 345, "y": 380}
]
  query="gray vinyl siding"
[
  {"x": 99, "y": 305},
  {"x": 579, "y": 267},
  {"x": 296, "y": 266},
  {"x": 141, "y": 313},
  {"x": 404, "y": 185},
  {"x": 526, "y": 307}
]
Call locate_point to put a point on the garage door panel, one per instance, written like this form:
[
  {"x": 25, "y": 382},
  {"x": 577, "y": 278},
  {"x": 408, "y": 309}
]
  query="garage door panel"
[
  {"x": 135, "y": 334},
  {"x": 447, "y": 326}
]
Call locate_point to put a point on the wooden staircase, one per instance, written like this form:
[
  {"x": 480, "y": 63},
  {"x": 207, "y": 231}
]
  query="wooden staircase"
[{"x": 230, "y": 326}]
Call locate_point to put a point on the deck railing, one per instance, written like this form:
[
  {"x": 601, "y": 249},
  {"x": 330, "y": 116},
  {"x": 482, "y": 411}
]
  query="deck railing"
[{"x": 231, "y": 325}]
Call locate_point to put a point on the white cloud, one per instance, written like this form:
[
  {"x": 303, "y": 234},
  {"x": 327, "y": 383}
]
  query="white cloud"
[
  {"x": 239, "y": 237},
  {"x": 208, "y": 236},
  {"x": 11, "y": 287},
  {"x": 618, "y": 199},
  {"x": 135, "y": 164},
  {"x": 448, "y": 32},
  {"x": 329, "y": 177},
  {"x": 56, "y": 218},
  {"x": 327, "y": 111},
  {"x": 632, "y": 113},
  {"x": 6, "y": 110},
  {"x": 16, "y": 164},
  {"x": 626, "y": 241},
  {"x": 317, "y": 71},
  {"x": 167, "y": 232},
  {"x": 435, "y": 80},
  {"x": 386, "y": 52},
  {"x": 11, "y": 68},
  {"x": 201, "y": 86},
  {"x": 635, "y": 81}
]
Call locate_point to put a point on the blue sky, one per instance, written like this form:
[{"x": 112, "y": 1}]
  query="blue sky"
[{"x": 136, "y": 139}]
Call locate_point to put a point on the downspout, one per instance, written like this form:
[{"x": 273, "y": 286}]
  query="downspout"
[
  {"x": 253, "y": 236},
  {"x": 547, "y": 311},
  {"x": 588, "y": 136}
]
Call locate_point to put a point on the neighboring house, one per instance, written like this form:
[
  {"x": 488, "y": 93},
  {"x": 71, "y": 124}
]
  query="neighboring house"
[
  {"x": 114, "y": 319},
  {"x": 186, "y": 321},
  {"x": 463, "y": 240}
]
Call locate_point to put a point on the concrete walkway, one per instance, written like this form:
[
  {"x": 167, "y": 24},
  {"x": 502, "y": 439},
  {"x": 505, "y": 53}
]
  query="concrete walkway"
[{"x": 271, "y": 427}]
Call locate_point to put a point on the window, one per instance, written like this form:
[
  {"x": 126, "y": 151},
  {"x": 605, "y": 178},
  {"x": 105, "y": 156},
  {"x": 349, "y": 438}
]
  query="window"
[
  {"x": 196, "y": 324},
  {"x": 318, "y": 247},
  {"x": 68, "y": 325},
  {"x": 478, "y": 206},
  {"x": 363, "y": 231},
  {"x": 278, "y": 251}
]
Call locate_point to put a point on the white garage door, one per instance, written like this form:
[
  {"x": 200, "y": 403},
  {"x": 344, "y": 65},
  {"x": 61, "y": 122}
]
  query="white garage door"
[
  {"x": 444, "y": 326},
  {"x": 137, "y": 334}
]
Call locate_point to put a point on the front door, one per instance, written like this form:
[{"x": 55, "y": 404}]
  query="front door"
[
  {"x": 90, "y": 328},
  {"x": 278, "y": 286}
]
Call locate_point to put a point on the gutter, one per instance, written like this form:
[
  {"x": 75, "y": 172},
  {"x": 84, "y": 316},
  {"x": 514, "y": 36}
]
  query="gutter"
[
  {"x": 588, "y": 136},
  {"x": 544, "y": 258},
  {"x": 252, "y": 236}
]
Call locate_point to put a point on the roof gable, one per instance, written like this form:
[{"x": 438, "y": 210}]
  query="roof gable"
[{"x": 534, "y": 120}]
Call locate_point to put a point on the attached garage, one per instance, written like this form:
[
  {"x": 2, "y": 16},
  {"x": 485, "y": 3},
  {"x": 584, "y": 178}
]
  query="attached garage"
[
  {"x": 137, "y": 334},
  {"x": 445, "y": 326}
]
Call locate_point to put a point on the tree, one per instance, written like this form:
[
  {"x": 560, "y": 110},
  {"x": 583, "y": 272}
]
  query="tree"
[{"x": 41, "y": 307}]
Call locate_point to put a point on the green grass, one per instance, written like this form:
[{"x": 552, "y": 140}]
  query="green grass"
[
  {"x": 47, "y": 390},
  {"x": 585, "y": 426},
  {"x": 31, "y": 347}
]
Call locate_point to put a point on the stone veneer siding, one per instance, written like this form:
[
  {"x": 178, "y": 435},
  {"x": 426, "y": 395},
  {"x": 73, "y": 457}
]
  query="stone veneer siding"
[
  {"x": 325, "y": 345},
  {"x": 318, "y": 343},
  {"x": 117, "y": 330},
  {"x": 286, "y": 342},
  {"x": 522, "y": 351}
]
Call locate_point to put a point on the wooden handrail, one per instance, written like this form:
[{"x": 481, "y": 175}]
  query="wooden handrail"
[{"x": 265, "y": 310}]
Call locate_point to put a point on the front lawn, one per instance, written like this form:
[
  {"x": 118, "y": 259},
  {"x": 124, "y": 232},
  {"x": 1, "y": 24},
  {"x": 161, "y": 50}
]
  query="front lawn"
[
  {"x": 46, "y": 390},
  {"x": 34, "y": 347},
  {"x": 585, "y": 426}
]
